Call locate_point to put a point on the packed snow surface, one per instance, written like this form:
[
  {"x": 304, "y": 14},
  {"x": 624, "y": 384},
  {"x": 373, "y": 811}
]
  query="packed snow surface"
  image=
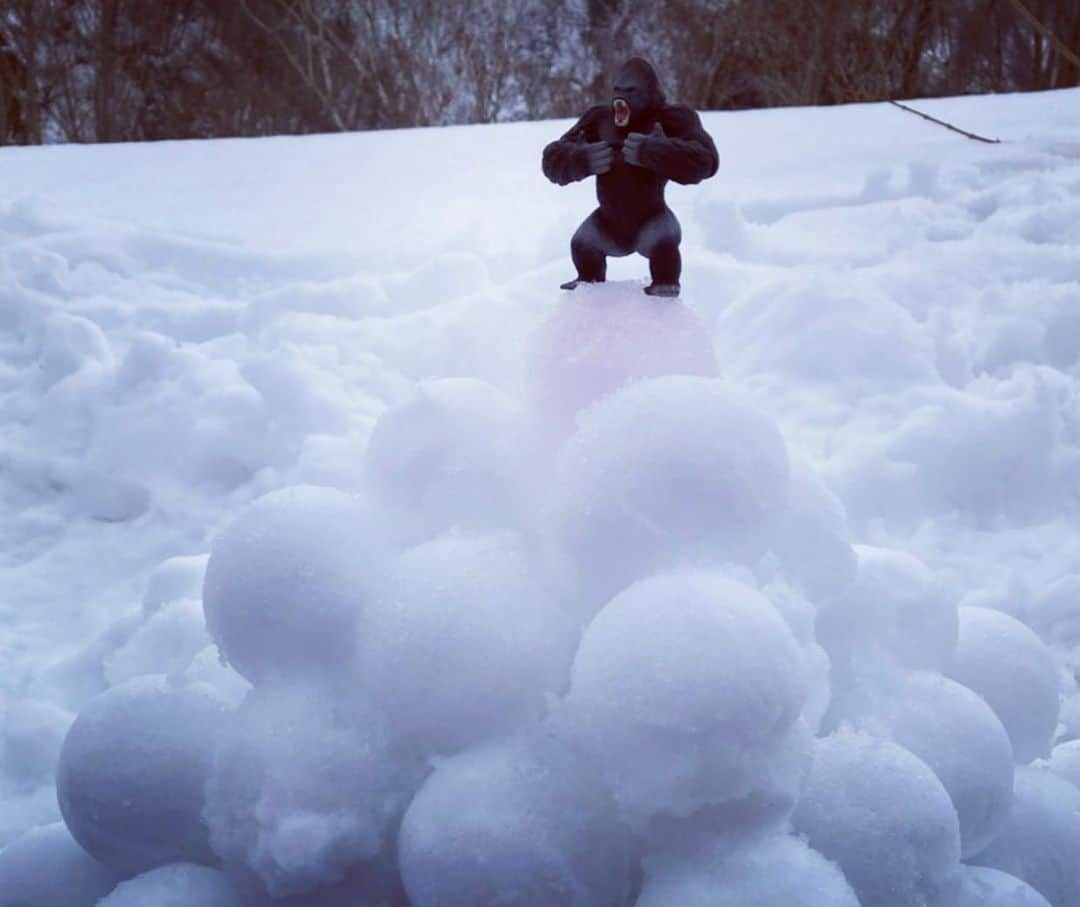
[{"x": 347, "y": 561}]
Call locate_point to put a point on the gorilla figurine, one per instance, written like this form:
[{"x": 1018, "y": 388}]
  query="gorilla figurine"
[{"x": 633, "y": 147}]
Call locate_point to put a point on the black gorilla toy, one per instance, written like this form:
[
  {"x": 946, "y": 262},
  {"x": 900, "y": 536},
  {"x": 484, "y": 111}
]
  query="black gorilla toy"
[{"x": 634, "y": 146}]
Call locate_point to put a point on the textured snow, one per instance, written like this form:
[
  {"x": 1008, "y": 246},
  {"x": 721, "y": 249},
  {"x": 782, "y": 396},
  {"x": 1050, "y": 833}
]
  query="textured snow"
[
  {"x": 883, "y": 817},
  {"x": 569, "y": 583}
]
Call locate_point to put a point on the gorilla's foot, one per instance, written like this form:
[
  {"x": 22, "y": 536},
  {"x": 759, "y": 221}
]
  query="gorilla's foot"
[
  {"x": 575, "y": 283},
  {"x": 662, "y": 289}
]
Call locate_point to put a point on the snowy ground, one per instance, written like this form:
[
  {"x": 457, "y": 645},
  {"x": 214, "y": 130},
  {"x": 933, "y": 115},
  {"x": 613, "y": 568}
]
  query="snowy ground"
[{"x": 185, "y": 327}]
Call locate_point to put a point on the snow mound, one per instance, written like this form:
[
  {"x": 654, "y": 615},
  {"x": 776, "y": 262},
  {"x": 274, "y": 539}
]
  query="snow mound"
[
  {"x": 1065, "y": 762},
  {"x": 883, "y": 816},
  {"x": 165, "y": 644},
  {"x": 132, "y": 771},
  {"x": 176, "y": 885},
  {"x": 1055, "y": 615},
  {"x": 46, "y": 868},
  {"x": 449, "y": 455},
  {"x": 303, "y": 788},
  {"x": 957, "y": 735},
  {"x": 775, "y": 872},
  {"x": 460, "y": 642},
  {"x": 687, "y": 690},
  {"x": 31, "y": 735},
  {"x": 1041, "y": 838},
  {"x": 287, "y": 580},
  {"x": 1007, "y": 664},
  {"x": 602, "y": 338},
  {"x": 663, "y": 473},
  {"x": 520, "y": 822}
]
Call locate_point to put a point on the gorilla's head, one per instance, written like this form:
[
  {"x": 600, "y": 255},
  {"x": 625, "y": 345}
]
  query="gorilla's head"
[{"x": 637, "y": 96}]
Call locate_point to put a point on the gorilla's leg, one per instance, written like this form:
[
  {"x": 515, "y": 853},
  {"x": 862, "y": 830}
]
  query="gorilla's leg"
[
  {"x": 592, "y": 244},
  {"x": 658, "y": 240}
]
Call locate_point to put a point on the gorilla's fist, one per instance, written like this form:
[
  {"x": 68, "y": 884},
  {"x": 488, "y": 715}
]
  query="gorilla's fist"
[
  {"x": 599, "y": 156},
  {"x": 634, "y": 142}
]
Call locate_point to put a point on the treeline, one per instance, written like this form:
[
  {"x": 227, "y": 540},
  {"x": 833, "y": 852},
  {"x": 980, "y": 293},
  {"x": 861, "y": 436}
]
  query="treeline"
[{"x": 132, "y": 70}]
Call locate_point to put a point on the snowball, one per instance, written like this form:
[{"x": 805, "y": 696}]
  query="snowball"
[
  {"x": 176, "y": 885},
  {"x": 1065, "y": 762},
  {"x": 896, "y": 608},
  {"x": 520, "y": 822},
  {"x": 813, "y": 540},
  {"x": 686, "y": 689},
  {"x": 448, "y": 456},
  {"x": 33, "y": 731},
  {"x": 954, "y": 732},
  {"x": 132, "y": 770},
  {"x": 881, "y": 814},
  {"x": 1040, "y": 841},
  {"x": 286, "y": 582},
  {"x": 461, "y": 641},
  {"x": 46, "y": 868},
  {"x": 604, "y": 337},
  {"x": 980, "y": 886},
  {"x": 1006, "y": 663},
  {"x": 666, "y": 471},
  {"x": 1055, "y": 614},
  {"x": 164, "y": 644},
  {"x": 776, "y": 872},
  {"x": 304, "y": 786}
]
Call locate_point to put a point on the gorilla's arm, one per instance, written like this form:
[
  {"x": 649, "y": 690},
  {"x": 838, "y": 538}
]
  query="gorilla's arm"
[
  {"x": 685, "y": 153},
  {"x": 566, "y": 160}
]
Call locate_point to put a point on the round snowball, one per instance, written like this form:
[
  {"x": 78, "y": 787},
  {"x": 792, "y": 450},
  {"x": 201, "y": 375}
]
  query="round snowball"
[
  {"x": 521, "y": 822},
  {"x": 776, "y": 872},
  {"x": 1065, "y": 762},
  {"x": 813, "y": 540},
  {"x": 686, "y": 689},
  {"x": 286, "y": 582},
  {"x": 1009, "y": 666},
  {"x": 1041, "y": 839},
  {"x": 46, "y": 868},
  {"x": 883, "y": 816},
  {"x": 304, "y": 787},
  {"x": 132, "y": 771},
  {"x": 663, "y": 473},
  {"x": 604, "y": 338},
  {"x": 954, "y": 732},
  {"x": 896, "y": 608},
  {"x": 176, "y": 885},
  {"x": 980, "y": 886},
  {"x": 448, "y": 456},
  {"x": 460, "y": 641}
]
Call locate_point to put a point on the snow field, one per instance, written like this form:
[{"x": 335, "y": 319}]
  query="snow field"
[{"x": 399, "y": 580}]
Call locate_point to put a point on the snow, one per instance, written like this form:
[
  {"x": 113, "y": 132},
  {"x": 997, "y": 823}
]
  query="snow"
[
  {"x": 504, "y": 595},
  {"x": 883, "y": 817},
  {"x": 132, "y": 770},
  {"x": 523, "y": 821}
]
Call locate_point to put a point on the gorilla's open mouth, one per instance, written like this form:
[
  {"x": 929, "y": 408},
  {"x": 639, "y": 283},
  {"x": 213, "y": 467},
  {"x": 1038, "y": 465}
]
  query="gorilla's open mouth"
[{"x": 622, "y": 112}]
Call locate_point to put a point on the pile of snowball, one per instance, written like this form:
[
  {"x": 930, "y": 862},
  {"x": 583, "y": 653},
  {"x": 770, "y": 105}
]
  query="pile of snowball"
[{"x": 604, "y": 642}]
